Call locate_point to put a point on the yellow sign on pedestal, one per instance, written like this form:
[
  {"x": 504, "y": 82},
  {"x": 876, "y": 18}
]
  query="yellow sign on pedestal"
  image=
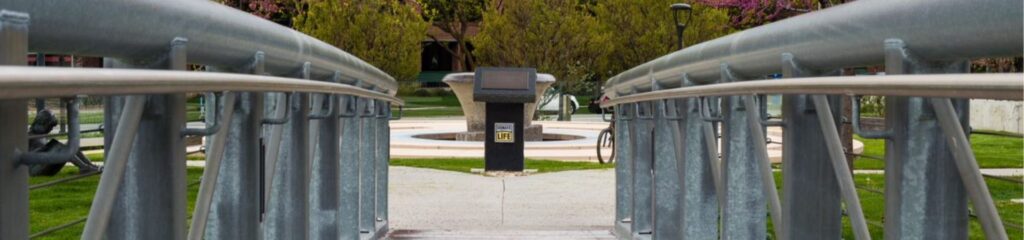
[{"x": 503, "y": 133}]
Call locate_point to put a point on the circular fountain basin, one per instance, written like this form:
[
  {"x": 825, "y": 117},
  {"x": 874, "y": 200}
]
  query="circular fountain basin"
[{"x": 563, "y": 141}]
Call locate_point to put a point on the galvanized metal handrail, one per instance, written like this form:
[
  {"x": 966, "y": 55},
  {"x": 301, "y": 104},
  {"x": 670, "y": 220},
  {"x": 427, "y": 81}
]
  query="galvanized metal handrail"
[
  {"x": 999, "y": 86},
  {"x": 29, "y": 82},
  {"x": 145, "y": 118},
  {"x": 217, "y": 36},
  {"x": 847, "y": 35},
  {"x": 925, "y": 47}
]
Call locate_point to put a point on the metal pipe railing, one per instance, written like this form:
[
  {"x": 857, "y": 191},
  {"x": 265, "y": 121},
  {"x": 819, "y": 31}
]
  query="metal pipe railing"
[
  {"x": 145, "y": 112},
  {"x": 218, "y": 36},
  {"x": 851, "y": 34},
  {"x": 925, "y": 47},
  {"x": 25, "y": 82},
  {"x": 999, "y": 86}
]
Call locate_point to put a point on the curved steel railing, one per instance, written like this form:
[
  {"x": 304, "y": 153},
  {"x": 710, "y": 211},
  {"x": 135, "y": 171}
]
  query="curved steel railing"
[
  {"x": 32, "y": 82},
  {"x": 141, "y": 192},
  {"x": 672, "y": 183},
  {"x": 217, "y": 36},
  {"x": 847, "y": 35}
]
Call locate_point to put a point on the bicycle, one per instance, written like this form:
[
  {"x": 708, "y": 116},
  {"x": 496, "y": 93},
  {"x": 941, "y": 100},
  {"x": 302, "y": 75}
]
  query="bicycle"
[{"x": 606, "y": 138}]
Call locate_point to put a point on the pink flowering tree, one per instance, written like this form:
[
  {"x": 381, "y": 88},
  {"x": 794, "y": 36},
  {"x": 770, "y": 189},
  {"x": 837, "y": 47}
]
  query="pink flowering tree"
[
  {"x": 279, "y": 11},
  {"x": 751, "y": 13}
]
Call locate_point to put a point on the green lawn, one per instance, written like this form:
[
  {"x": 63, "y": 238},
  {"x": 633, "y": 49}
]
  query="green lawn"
[
  {"x": 1002, "y": 192},
  {"x": 465, "y": 164},
  {"x": 70, "y": 201},
  {"x": 430, "y": 107},
  {"x": 991, "y": 151}
]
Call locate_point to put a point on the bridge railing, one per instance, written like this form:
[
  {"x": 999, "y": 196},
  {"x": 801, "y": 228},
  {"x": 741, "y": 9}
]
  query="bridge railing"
[
  {"x": 691, "y": 125},
  {"x": 297, "y": 138}
]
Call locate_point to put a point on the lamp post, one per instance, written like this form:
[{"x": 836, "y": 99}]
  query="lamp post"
[{"x": 680, "y": 27}]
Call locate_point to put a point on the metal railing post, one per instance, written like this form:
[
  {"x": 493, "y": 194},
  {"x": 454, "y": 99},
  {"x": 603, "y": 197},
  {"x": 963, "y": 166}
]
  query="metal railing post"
[
  {"x": 287, "y": 214},
  {"x": 623, "y": 169},
  {"x": 211, "y": 172},
  {"x": 924, "y": 196},
  {"x": 643, "y": 177},
  {"x": 840, "y": 170},
  {"x": 743, "y": 213},
  {"x": 152, "y": 196},
  {"x": 14, "y": 206},
  {"x": 806, "y": 168},
  {"x": 382, "y": 159},
  {"x": 967, "y": 165},
  {"x": 666, "y": 168},
  {"x": 698, "y": 199},
  {"x": 324, "y": 192},
  {"x": 235, "y": 209},
  {"x": 367, "y": 167},
  {"x": 348, "y": 162}
]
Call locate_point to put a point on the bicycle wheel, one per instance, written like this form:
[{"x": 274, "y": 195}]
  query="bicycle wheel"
[{"x": 602, "y": 140}]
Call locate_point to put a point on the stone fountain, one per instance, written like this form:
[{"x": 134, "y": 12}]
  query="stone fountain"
[{"x": 462, "y": 85}]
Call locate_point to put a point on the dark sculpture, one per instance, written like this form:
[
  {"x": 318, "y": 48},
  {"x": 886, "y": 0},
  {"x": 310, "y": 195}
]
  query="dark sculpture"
[{"x": 41, "y": 125}]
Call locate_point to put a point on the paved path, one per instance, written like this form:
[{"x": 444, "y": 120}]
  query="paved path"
[{"x": 443, "y": 200}]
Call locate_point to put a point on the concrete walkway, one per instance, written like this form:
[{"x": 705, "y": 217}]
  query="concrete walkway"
[{"x": 582, "y": 202}]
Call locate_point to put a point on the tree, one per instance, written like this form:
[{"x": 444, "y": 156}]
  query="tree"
[
  {"x": 555, "y": 36},
  {"x": 278, "y": 11},
  {"x": 384, "y": 33},
  {"x": 644, "y": 30},
  {"x": 752, "y": 13},
  {"x": 454, "y": 17}
]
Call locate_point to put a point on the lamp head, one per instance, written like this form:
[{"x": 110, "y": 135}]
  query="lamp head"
[{"x": 681, "y": 6}]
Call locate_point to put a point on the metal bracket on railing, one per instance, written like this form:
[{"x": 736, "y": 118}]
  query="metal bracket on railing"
[
  {"x": 257, "y": 65},
  {"x": 284, "y": 117},
  {"x": 351, "y": 107},
  {"x": 604, "y": 116},
  {"x": 705, "y": 111},
  {"x": 368, "y": 109},
  {"x": 326, "y": 113},
  {"x": 391, "y": 117},
  {"x": 643, "y": 110},
  {"x": 215, "y": 126},
  {"x": 855, "y": 103},
  {"x": 766, "y": 118},
  {"x": 383, "y": 110},
  {"x": 74, "y": 141},
  {"x": 665, "y": 111}
]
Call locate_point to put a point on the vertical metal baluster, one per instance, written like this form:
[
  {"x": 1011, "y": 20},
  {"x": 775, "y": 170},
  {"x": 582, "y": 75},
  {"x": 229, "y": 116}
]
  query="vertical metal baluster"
[
  {"x": 235, "y": 209},
  {"x": 760, "y": 149},
  {"x": 211, "y": 173},
  {"x": 643, "y": 179},
  {"x": 382, "y": 161},
  {"x": 14, "y": 206},
  {"x": 807, "y": 168},
  {"x": 840, "y": 169},
  {"x": 698, "y": 200},
  {"x": 623, "y": 169},
  {"x": 349, "y": 167},
  {"x": 367, "y": 168},
  {"x": 667, "y": 152},
  {"x": 324, "y": 190},
  {"x": 151, "y": 198},
  {"x": 967, "y": 166},
  {"x": 925, "y": 198},
  {"x": 287, "y": 211},
  {"x": 743, "y": 214}
]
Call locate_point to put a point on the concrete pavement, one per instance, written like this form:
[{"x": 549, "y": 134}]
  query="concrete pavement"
[{"x": 578, "y": 201}]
